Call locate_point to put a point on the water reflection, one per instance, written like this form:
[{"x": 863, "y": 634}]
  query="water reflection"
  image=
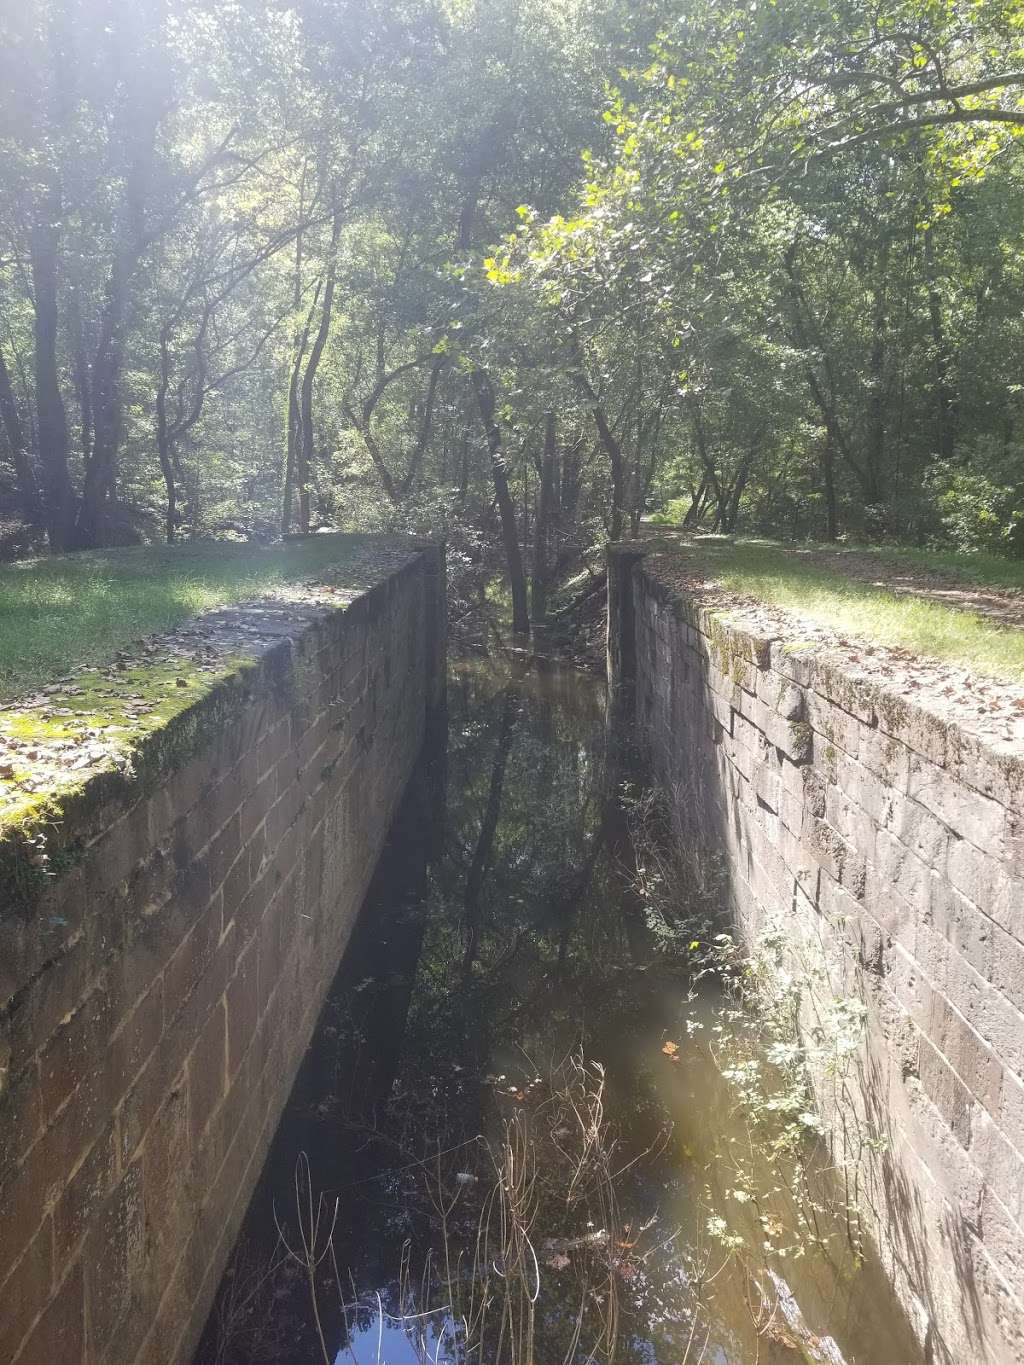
[{"x": 463, "y": 1032}]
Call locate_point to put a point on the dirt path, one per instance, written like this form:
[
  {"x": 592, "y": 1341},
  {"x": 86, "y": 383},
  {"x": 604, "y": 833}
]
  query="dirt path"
[
  {"x": 1004, "y": 605},
  {"x": 943, "y": 586}
]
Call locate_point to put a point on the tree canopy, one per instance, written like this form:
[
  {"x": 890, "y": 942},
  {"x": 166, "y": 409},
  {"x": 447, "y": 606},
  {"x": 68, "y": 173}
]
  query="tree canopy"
[{"x": 517, "y": 272}]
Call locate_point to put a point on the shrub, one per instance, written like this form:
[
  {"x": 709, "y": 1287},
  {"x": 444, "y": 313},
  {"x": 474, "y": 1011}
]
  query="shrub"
[{"x": 973, "y": 511}]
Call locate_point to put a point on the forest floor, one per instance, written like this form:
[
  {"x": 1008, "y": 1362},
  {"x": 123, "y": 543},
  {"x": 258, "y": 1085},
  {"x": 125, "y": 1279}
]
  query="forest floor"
[{"x": 944, "y": 633}]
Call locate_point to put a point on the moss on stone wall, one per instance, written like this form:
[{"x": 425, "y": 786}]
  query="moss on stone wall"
[{"x": 111, "y": 733}]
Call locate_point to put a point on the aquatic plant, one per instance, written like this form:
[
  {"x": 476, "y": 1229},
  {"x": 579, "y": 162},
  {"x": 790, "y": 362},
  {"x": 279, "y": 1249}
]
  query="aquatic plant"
[{"x": 783, "y": 1033}]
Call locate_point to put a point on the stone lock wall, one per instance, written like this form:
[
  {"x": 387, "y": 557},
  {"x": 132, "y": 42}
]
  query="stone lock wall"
[
  {"x": 889, "y": 848},
  {"x": 156, "y": 999}
]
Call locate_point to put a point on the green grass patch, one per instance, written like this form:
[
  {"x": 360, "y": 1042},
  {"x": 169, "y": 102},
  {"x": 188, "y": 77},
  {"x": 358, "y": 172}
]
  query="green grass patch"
[
  {"x": 58, "y": 614},
  {"x": 978, "y": 570},
  {"x": 788, "y": 578}
]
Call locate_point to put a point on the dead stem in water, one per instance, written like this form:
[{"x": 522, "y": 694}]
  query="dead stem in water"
[{"x": 529, "y": 1257}]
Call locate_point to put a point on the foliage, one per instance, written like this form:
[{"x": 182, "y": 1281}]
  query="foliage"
[
  {"x": 974, "y": 512},
  {"x": 520, "y": 274}
]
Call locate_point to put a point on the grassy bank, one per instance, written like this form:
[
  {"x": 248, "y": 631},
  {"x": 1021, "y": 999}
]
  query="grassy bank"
[
  {"x": 791, "y": 579},
  {"x": 979, "y": 570},
  {"x": 57, "y": 614}
]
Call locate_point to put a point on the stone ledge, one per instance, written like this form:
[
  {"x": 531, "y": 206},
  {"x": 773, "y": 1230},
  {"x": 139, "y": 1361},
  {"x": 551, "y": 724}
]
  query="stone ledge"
[
  {"x": 156, "y": 1002},
  {"x": 107, "y": 738},
  {"x": 893, "y": 852},
  {"x": 971, "y": 758}
]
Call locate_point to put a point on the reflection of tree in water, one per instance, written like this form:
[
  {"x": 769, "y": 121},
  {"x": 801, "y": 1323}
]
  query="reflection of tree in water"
[
  {"x": 444, "y": 1049},
  {"x": 447, "y": 1045},
  {"x": 529, "y": 814},
  {"x": 527, "y": 955}
]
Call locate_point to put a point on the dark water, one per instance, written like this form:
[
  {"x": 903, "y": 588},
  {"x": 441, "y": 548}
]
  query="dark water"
[{"x": 489, "y": 1155}]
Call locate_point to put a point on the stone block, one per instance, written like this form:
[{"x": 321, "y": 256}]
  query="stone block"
[
  {"x": 845, "y": 690},
  {"x": 865, "y": 789},
  {"x": 900, "y": 868},
  {"x": 970, "y": 933},
  {"x": 969, "y": 814},
  {"x": 57, "y": 1334},
  {"x": 947, "y": 1092},
  {"x": 1002, "y": 1163},
  {"x": 833, "y": 724},
  {"x": 56, "y": 991},
  {"x": 207, "y": 1072},
  {"x": 84, "y": 1196},
  {"x": 925, "y": 835},
  {"x": 850, "y": 819},
  {"x": 977, "y": 875},
  {"x": 795, "y": 661},
  {"x": 1007, "y": 971},
  {"x": 1003, "y": 1239},
  {"x": 242, "y": 1002},
  {"x": 791, "y": 737},
  {"x": 968, "y": 1054},
  {"x": 25, "y": 1292},
  {"x": 887, "y": 758},
  {"x": 1010, "y": 1118},
  {"x": 781, "y": 694}
]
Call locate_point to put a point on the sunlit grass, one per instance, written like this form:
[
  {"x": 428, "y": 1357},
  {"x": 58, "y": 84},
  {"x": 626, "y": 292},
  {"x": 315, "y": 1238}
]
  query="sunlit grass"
[
  {"x": 788, "y": 579},
  {"x": 57, "y": 614},
  {"x": 981, "y": 569}
]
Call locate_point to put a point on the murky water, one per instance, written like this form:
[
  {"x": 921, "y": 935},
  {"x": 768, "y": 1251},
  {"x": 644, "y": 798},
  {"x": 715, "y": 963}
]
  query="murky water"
[{"x": 510, "y": 1140}]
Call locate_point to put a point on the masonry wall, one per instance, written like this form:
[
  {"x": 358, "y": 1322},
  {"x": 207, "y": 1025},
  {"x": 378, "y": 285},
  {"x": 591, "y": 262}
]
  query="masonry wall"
[
  {"x": 156, "y": 1000},
  {"x": 888, "y": 846}
]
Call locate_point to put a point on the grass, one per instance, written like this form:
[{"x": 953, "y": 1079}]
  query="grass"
[
  {"x": 58, "y": 614},
  {"x": 976, "y": 570},
  {"x": 773, "y": 574}
]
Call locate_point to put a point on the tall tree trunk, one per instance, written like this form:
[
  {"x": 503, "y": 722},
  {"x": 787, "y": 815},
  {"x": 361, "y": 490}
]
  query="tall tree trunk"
[
  {"x": 571, "y": 481},
  {"x": 807, "y": 335},
  {"x": 946, "y": 400},
  {"x": 484, "y": 849},
  {"x": 828, "y": 478},
  {"x": 101, "y": 467},
  {"x": 731, "y": 513},
  {"x": 424, "y": 433},
  {"x": 711, "y": 479},
  {"x": 874, "y": 459},
  {"x": 506, "y": 508},
  {"x": 80, "y": 362},
  {"x": 648, "y": 433},
  {"x": 51, "y": 419},
  {"x": 609, "y": 444},
  {"x": 164, "y": 443},
  {"x": 463, "y": 468},
  {"x": 294, "y": 434},
  {"x": 14, "y": 431},
  {"x": 542, "y": 526},
  {"x": 305, "y": 460},
  {"x": 138, "y": 120},
  {"x": 698, "y": 502}
]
